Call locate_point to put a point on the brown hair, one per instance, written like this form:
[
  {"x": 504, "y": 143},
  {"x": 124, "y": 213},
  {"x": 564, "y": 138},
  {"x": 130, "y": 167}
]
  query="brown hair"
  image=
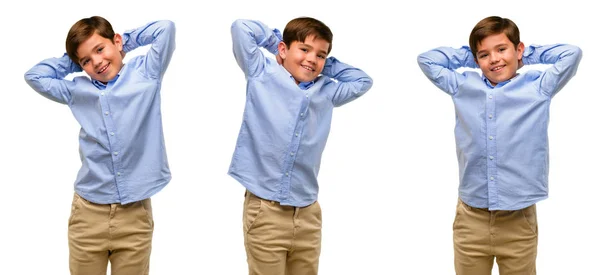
[
  {"x": 490, "y": 26},
  {"x": 84, "y": 29},
  {"x": 300, "y": 28}
]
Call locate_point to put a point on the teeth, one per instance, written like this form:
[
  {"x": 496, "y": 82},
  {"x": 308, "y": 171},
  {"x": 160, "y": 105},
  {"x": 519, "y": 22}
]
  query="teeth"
[
  {"x": 103, "y": 69},
  {"x": 308, "y": 68}
]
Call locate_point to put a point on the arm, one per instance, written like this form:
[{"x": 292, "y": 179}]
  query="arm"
[
  {"x": 439, "y": 65},
  {"x": 352, "y": 82},
  {"x": 47, "y": 78},
  {"x": 248, "y": 37},
  {"x": 564, "y": 59},
  {"x": 161, "y": 34}
]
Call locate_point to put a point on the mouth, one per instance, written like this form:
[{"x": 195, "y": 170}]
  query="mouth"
[
  {"x": 497, "y": 68},
  {"x": 308, "y": 68},
  {"x": 103, "y": 69}
]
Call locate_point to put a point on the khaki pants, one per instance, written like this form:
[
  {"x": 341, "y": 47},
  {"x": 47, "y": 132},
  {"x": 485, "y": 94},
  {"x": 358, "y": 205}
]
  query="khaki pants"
[
  {"x": 121, "y": 234},
  {"x": 281, "y": 240},
  {"x": 480, "y": 235}
]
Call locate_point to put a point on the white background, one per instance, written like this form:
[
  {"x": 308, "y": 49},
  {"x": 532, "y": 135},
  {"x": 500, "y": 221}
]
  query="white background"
[{"x": 389, "y": 172}]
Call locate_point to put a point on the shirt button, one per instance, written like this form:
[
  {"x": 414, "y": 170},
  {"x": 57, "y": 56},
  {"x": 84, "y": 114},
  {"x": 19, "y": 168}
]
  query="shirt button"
[
  {"x": 296, "y": 134},
  {"x": 490, "y": 116},
  {"x": 106, "y": 113},
  {"x": 287, "y": 174},
  {"x": 118, "y": 173},
  {"x": 491, "y": 137},
  {"x": 491, "y": 178},
  {"x": 491, "y": 157},
  {"x": 115, "y": 153},
  {"x": 490, "y": 96},
  {"x": 112, "y": 133},
  {"x": 301, "y": 114},
  {"x": 292, "y": 153},
  {"x": 306, "y": 95},
  {"x": 102, "y": 93}
]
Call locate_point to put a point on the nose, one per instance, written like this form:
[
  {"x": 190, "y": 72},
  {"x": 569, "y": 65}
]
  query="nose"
[
  {"x": 96, "y": 60},
  {"x": 312, "y": 58},
  {"x": 494, "y": 57}
]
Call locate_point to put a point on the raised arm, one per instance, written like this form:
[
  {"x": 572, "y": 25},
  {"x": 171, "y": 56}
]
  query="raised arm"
[
  {"x": 351, "y": 82},
  {"x": 440, "y": 65},
  {"x": 564, "y": 59},
  {"x": 161, "y": 34},
  {"x": 47, "y": 78},
  {"x": 248, "y": 37}
]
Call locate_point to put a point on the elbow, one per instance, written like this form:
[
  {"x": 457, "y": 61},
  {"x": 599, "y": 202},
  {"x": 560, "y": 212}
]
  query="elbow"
[
  {"x": 578, "y": 53},
  {"x": 237, "y": 24},
  {"x": 30, "y": 78},
  {"x": 367, "y": 84}
]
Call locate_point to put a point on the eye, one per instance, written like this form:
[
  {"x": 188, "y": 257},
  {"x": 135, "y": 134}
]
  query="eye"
[
  {"x": 481, "y": 56},
  {"x": 321, "y": 56},
  {"x": 304, "y": 50},
  {"x": 100, "y": 49},
  {"x": 85, "y": 62},
  {"x": 502, "y": 49}
]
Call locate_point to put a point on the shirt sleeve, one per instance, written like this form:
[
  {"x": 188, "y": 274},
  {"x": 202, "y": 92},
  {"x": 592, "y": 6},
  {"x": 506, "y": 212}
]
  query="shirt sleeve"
[
  {"x": 564, "y": 59},
  {"x": 440, "y": 65},
  {"x": 161, "y": 34},
  {"x": 248, "y": 37},
  {"x": 47, "y": 78},
  {"x": 351, "y": 82}
]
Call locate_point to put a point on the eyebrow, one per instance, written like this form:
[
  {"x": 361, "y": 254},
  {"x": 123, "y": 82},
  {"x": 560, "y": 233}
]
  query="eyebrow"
[
  {"x": 311, "y": 47},
  {"x": 496, "y": 46}
]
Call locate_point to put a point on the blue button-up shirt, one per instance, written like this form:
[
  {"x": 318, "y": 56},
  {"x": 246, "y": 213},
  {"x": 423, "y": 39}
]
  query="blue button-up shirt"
[
  {"x": 502, "y": 132},
  {"x": 121, "y": 142},
  {"x": 285, "y": 125}
]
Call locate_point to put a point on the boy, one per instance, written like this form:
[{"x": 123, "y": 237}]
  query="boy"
[
  {"x": 121, "y": 140},
  {"x": 285, "y": 126},
  {"x": 501, "y": 139}
]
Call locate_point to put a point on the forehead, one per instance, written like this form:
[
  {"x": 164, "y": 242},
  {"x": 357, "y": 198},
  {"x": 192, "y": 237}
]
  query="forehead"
[
  {"x": 86, "y": 47},
  {"x": 317, "y": 43},
  {"x": 493, "y": 40}
]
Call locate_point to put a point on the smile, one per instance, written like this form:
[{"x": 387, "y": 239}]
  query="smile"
[
  {"x": 494, "y": 69},
  {"x": 103, "y": 69},
  {"x": 308, "y": 68}
]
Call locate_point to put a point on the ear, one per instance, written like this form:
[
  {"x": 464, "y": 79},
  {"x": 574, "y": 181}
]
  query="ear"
[
  {"x": 118, "y": 41},
  {"x": 282, "y": 50},
  {"x": 520, "y": 50}
]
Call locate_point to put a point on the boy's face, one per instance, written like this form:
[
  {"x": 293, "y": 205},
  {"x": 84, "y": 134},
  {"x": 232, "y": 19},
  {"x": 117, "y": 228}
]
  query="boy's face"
[
  {"x": 304, "y": 60},
  {"x": 498, "y": 58},
  {"x": 100, "y": 57}
]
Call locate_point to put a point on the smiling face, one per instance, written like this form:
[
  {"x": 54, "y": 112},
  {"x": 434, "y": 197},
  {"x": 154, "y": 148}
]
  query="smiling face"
[
  {"x": 100, "y": 57},
  {"x": 498, "y": 57},
  {"x": 304, "y": 60}
]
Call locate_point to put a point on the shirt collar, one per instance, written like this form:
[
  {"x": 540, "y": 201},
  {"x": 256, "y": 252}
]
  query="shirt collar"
[
  {"x": 301, "y": 85},
  {"x": 498, "y": 85},
  {"x": 103, "y": 86}
]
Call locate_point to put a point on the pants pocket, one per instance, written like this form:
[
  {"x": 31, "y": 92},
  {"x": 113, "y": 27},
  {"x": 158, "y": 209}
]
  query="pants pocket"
[
  {"x": 147, "y": 206},
  {"x": 74, "y": 207},
  {"x": 530, "y": 217},
  {"x": 252, "y": 211}
]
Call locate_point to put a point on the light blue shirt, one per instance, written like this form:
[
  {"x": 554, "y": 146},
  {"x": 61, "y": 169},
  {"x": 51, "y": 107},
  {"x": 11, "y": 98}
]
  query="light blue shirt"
[
  {"x": 502, "y": 132},
  {"x": 121, "y": 142},
  {"x": 285, "y": 125}
]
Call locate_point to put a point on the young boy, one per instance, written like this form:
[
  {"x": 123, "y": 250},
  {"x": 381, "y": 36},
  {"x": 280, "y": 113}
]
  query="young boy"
[
  {"x": 289, "y": 103},
  {"x": 501, "y": 139},
  {"x": 121, "y": 140}
]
